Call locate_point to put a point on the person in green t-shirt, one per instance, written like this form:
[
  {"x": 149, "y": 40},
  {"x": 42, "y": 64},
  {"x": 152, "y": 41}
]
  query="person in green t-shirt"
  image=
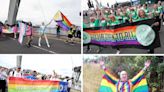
[
  {"x": 119, "y": 15},
  {"x": 141, "y": 16},
  {"x": 146, "y": 9},
  {"x": 133, "y": 13},
  {"x": 103, "y": 22},
  {"x": 113, "y": 21},
  {"x": 94, "y": 22},
  {"x": 86, "y": 22},
  {"x": 156, "y": 11},
  {"x": 125, "y": 16}
]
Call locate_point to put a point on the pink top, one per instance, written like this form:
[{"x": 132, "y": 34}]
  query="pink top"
[{"x": 29, "y": 31}]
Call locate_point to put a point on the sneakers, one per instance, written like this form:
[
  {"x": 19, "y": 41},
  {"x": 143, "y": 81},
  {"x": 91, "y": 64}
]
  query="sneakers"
[
  {"x": 48, "y": 46},
  {"x": 118, "y": 52},
  {"x": 39, "y": 45}
]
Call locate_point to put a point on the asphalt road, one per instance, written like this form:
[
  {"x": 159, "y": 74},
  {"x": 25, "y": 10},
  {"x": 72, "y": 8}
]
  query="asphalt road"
[
  {"x": 9, "y": 45},
  {"x": 109, "y": 50}
]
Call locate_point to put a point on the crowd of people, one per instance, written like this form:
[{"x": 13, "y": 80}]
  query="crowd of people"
[
  {"x": 105, "y": 16},
  {"x": 5, "y": 73}
]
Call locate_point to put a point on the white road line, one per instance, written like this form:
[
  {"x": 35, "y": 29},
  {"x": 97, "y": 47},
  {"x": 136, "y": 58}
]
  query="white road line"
[{"x": 52, "y": 52}]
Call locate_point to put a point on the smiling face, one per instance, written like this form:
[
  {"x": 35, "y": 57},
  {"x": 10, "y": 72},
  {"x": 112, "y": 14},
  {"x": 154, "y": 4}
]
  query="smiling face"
[
  {"x": 141, "y": 14},
  {"x": 124, "y": 76}
]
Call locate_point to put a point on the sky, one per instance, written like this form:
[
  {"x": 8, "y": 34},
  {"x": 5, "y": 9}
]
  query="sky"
[
  {"x": 38, "y": 11},
  {"x": 62, "y": 64},
  {"x": 104, "y": 2}
]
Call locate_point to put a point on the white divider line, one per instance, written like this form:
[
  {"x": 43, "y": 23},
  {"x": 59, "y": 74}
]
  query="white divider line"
[{"x": 52, "y": 52}]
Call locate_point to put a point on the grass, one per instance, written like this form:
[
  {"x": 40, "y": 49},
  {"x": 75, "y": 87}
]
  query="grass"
[{"x": 92, "y": 75}]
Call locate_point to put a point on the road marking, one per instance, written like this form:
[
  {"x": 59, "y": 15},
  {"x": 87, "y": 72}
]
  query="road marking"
[{"x": 52, "y": 52}]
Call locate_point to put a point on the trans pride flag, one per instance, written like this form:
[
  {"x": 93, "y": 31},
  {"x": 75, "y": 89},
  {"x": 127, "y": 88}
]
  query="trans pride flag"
[
  {"x": 62, "y": 21},
  {"x": 22, "y": 31},
  {"x": 26, "y": 85},
  {"x": 109, "y": 83}
]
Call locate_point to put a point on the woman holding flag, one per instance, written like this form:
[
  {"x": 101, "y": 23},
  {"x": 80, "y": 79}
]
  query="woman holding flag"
[{"x": 42, "y": 33}]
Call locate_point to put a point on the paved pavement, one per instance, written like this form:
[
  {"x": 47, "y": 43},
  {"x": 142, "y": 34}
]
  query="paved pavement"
[
  {"x": 109, "y": 50},
  {"x": 9, "y": 45}
]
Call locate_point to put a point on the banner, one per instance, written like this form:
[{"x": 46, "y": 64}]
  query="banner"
[
  {"x": 26, "y": 85},
  {"x": 134, "y": 34}
]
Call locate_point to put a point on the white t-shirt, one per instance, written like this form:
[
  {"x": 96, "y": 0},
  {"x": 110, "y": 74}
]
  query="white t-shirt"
[
  {"x": 16, "y": 74},
  {"x": 70, "y": 83},
  {"x": 42, "y": 29}
]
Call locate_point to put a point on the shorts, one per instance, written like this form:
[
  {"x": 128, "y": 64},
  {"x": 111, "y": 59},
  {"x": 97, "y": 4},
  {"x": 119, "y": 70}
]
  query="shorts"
[{"x": 70, "y": 36}]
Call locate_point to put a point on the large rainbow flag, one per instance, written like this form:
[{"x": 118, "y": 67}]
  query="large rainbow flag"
[
  {"x": 137, "y": 34},
  {"x": 26, "y": 85},
  {"x": 62, "y": 21},
  {"x": 109, "y": 83}
]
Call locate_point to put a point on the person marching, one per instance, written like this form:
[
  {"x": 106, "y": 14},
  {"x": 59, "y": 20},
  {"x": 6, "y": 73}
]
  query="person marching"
[
  {"x": 42, "y": 33},
  {"x": 29, "y": 34},
  {"x": 70, "y": 35},
  {"x": 58, "y": 31}
]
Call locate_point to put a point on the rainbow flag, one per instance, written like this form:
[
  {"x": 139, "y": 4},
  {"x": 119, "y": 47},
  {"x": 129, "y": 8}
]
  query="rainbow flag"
[
  {"x": 120, "y": 36},
  {"x": 139, "y": 83},
  {"x": 62, "y": 21},
  {"x": 109, "y": 83},
  {"x": 7, "y": 31},
  {"x": 26, "y": 85}
]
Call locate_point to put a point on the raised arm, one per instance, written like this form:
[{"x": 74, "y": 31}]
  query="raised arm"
[
  {"x": 49, "y": 23},
  {"x": 137, "y": 77},
  {"x": 110, "y": 77}
]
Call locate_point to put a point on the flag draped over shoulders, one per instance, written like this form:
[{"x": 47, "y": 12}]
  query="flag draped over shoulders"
[{"x": 109, "y": 83}]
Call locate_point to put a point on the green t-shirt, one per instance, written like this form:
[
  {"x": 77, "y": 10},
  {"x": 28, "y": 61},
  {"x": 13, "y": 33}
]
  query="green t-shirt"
[
  {"x": 96, "y": 23},
  {"x": 134, "y": 14},
  {"x": 111, "y": 23},
  {"x": 146, "y": 11},
  {"x": 160, "y": 8},
  {"x": 140, "y": 19},
  {"x": 124, "y": 18},
  {"x": 156, "y": 12},
  {"x": 103, "y": 23},
  {"x": 84, "y": 25}
]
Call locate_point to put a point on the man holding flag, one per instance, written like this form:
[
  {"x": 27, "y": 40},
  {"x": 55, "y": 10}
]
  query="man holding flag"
[{"x": 110, "y": 83}]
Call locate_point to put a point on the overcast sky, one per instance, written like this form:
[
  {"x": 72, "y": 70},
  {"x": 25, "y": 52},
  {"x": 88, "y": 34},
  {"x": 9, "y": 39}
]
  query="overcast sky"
[
  {"x": 104, "y": 2},
  {"x": 62, "y": 64},
  {"x": 43, "y": 10}
]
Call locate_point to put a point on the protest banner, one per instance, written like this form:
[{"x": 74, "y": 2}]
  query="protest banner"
[
  {"x": 137, "y": 34},
  {"x": 25, "y": 85}
]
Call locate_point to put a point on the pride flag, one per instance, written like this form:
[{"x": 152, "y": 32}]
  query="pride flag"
[
  {"x": 22, "y": 31},
  {"x": 26, "y": 85},
  {"x": 109, "y": 83},
  {"x": 62, "y": 21},
  {"x": 7, "y": 31}
]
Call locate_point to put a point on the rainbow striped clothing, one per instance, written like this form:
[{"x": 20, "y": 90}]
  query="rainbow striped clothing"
[
  {"x": 124, "y": 86},
  {"x": 110, "y": 83}
]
